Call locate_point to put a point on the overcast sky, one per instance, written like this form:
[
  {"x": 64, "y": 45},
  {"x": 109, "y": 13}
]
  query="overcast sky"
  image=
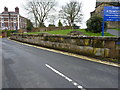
[{"x": 88, "y": 6}]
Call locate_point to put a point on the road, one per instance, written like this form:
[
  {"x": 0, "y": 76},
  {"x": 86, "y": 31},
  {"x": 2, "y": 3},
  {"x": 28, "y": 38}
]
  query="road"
[{"x": 30, "y": 67}]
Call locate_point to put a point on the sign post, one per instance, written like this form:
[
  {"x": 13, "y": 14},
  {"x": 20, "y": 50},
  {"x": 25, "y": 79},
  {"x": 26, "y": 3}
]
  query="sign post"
[
  {"x": 111, "y": 13},
  {"x": 103, "y": 25}
]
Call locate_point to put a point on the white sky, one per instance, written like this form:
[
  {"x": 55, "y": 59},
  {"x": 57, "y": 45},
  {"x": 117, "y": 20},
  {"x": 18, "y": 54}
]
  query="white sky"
[{"x": 88, "y": 6}]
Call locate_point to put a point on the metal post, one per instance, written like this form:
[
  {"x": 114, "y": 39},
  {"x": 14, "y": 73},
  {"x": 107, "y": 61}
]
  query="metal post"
[{"x": 103, "y": 25}]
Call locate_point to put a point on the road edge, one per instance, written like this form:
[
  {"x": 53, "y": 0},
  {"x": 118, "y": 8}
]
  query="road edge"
[{"x": 70, "y": 54}]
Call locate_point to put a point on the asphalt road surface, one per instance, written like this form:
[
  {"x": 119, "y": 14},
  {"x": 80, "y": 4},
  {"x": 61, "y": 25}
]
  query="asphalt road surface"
[{"x": 29, "y": 67}]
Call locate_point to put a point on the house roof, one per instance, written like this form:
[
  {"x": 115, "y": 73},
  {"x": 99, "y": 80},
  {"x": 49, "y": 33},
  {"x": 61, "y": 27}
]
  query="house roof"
[{"x": 9, "y": 12}]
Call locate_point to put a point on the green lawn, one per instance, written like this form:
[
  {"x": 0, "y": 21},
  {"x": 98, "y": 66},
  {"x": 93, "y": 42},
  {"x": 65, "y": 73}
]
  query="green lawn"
[
  {"x": 61, "y": 32},
  {"x": 65, "y": 32},
  {"x": 95, "y": 34}
]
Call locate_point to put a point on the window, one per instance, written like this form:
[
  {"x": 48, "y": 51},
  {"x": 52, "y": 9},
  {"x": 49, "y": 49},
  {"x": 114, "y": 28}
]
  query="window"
[
  {"x": 2, "y": 24},
  {"x": 14, "y": 24},
  {"x": 9, "y": 24},
  {"x": 3, "y": 19},
  {"x": 14, "y": 19}
]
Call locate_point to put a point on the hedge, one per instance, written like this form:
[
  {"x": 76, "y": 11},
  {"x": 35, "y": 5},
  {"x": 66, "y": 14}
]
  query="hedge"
[{"x": 7, "y": 31}]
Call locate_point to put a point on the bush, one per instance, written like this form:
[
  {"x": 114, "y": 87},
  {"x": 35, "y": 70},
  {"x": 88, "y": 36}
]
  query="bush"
[
  {"x": 0, "y": 32},
  {"x": 60, "y": 24},
  {"x": 51, "y": 25},
  {"x": 29, "y": 25},
  {"x": 94, "y": 24},
  {"x": 8, "y": 32},
  {"x": 29, "y": 28},
  {"x": 75, "y": 26}
]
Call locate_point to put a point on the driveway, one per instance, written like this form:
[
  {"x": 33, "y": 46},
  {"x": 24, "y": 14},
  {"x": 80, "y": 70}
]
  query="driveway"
[{"x": 113, "y": 32}]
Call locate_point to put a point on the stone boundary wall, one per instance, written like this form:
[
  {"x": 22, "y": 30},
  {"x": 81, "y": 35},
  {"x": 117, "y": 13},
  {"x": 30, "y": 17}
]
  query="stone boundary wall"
[
  {"x": 92, "y": 46},
  {"x": 50, "y": 28}
]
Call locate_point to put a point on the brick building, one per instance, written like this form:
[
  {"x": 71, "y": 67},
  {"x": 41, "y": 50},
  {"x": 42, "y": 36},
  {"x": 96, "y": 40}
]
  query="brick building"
[
  {"x": 99, "y": 11},
  {"x": 12, "y": 20}
]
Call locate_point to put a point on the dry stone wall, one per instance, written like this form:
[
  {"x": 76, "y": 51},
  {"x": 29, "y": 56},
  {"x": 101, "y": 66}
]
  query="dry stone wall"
[
  {"x": 50, "y": 28},
  {"x": 93, "y": 46}
]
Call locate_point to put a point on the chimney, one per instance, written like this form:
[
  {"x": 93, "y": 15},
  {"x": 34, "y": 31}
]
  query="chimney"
[
  {"x": 5, "y": 9},
  {"x": 17, "y": 10}
]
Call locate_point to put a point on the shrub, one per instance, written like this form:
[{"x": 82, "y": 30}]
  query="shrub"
[
  {"x": 0, "y": 31},
  {"x": 94, "y": 24},
  {"x": 29, "y": 28},
  {"x": 29, "y": 25},
  {"x": 8, "y": 32},
  {"x": 60, "y": 24},
  {"x": 51, "y": 25},
  {"x": 75, "y": 26}
]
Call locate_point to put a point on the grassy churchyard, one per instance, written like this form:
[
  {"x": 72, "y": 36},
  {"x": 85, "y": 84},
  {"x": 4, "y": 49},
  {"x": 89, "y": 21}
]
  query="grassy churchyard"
[{"x": 65, "y": 32}]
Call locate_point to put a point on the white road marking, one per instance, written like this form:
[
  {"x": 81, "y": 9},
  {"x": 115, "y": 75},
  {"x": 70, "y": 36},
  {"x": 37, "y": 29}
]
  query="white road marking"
[
  {"x": 75, "y": 84},
  {"x": 80, "y": 86},
  {"x": 64, "y": 76}
]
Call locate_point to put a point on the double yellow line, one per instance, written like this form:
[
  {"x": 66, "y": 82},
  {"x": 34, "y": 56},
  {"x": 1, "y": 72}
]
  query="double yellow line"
[{"x": 71, "y": 54}]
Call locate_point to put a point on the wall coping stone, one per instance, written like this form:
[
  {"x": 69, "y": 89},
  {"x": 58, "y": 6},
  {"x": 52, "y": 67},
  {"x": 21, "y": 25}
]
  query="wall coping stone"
[{"x": 73, "y": 37}]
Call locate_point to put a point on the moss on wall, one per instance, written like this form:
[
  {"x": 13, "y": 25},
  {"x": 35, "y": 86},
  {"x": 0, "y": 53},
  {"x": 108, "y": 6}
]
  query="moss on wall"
[{"x": 92, "y": 46}]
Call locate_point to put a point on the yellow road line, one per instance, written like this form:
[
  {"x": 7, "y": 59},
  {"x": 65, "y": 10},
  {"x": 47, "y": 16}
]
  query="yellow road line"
[{"x": 71, "y": 54}]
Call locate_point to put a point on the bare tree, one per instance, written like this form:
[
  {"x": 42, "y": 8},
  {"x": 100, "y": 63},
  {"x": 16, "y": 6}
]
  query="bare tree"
[
  {"x": 71, "y": 12},
  {"x": 40, "y": 9},
  {"x": 52, "y": 19}
]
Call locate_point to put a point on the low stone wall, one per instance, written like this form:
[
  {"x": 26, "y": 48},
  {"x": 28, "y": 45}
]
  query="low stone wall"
[
  {"x": 50, "y": 28},
  {"x": 93, "y": 46}
]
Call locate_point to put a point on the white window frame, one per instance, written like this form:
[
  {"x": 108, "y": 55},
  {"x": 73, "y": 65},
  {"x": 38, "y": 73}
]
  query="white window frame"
[
  {"x": 3, "y": 24},
  {"x": 2, "y": 18}
]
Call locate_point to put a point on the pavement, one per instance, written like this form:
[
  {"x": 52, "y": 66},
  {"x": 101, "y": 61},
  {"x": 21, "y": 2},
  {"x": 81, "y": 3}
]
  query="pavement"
[
  {"x": 30, "y": 67},
  {"x": 113, "y": 32}
]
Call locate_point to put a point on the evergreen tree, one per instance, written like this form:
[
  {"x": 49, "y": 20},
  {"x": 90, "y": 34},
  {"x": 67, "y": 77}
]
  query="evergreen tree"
[
  {"x": 29, "y": 25},
  {"x": 60, "y": 24},
  {"x": 94, "y": 24}
]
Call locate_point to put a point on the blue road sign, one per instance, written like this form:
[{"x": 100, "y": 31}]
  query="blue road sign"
[{"x": 111, "y": 13}]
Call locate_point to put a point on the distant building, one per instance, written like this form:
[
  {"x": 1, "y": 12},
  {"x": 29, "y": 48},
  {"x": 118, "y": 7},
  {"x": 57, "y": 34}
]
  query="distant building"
[
  {"x": 99, "y": 11},
  {"x": 12, "y": 20}
]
